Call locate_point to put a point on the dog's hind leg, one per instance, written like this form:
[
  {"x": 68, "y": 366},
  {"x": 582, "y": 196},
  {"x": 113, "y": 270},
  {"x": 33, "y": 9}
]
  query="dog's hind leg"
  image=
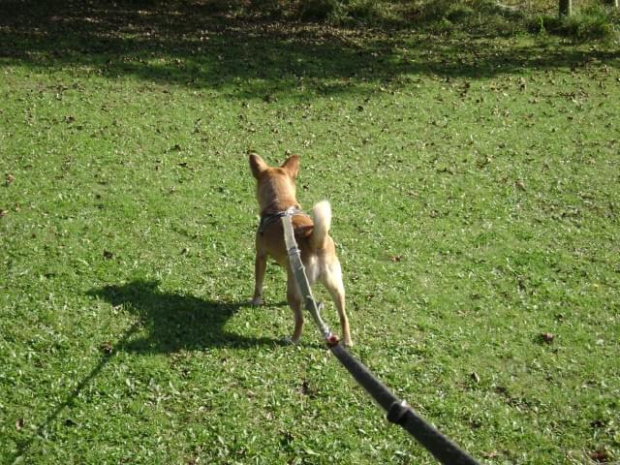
[
  {"x": 294, "y": 300},
  {"x": 260, "y": 265},
  {"x": 332, "y": 280}
]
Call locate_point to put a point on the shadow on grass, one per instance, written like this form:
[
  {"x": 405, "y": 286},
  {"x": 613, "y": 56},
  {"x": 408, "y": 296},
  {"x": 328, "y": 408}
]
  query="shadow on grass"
[
  {"x": 172, "y": 321},
  {"x": 23, "y": 446},
  {"x": 176, "y": 322},
  {"x": 191, "y": 44}
]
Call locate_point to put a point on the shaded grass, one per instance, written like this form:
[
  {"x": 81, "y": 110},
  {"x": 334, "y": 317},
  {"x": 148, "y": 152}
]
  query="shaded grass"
[
  {"x": 474, "y": 187},
  {"x": 597, "y": 22}
]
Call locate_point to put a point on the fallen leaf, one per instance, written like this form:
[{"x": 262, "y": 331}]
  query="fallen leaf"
[
  {"x": 108, "y": 255},
  {"x": 286, "y": 437},
  {"x": 547, "y": 337},
  {"x": 502, "y": 390},
  {"x": 9, "y": 179},
  {"x": 19, "y": 424},
  {"x": 306, "y": 390},
  {"x": 107, "y": 348},
  {"x": 600, "y": 456},
  {"x": 475, "y": 377}
]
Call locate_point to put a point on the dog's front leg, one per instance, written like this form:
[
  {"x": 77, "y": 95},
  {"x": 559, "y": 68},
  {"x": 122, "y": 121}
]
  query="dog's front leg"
[{"x": 260, "y": 265}]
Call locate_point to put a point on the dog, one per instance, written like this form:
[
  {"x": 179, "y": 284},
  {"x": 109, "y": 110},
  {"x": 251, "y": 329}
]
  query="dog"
[{"x": 276, "y": 194}]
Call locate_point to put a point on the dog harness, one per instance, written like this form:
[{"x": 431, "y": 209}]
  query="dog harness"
[{"x": 266, "y": 220}]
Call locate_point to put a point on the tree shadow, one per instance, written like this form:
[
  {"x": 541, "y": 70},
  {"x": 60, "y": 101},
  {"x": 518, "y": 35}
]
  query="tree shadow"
[
  {"x": 175, "y": 322},
  {"x": 191, "y": 44}
]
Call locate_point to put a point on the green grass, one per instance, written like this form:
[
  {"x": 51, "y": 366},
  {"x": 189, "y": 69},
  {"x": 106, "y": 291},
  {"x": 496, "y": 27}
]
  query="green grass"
[
  {"x": 595, "y": 22},
  {"x": 475, "y": 190}
]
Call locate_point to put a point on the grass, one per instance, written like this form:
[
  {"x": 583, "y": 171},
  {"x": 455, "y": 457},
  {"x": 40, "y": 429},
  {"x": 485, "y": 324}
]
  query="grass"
[
  {"x": 595, "y": 22},
  {"x": 590, "y": 20},
  {"x": 474, "y": 183}
]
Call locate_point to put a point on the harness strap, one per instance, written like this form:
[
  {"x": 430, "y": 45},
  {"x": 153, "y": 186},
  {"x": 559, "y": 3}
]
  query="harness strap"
[
  {"x": 301, "y": 279},
  {"x": 398, "y": 412},
  {"x": 266, "y": 220}
]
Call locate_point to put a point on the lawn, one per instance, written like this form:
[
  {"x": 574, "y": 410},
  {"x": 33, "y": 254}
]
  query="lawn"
[{"x": 475, "y": 185}]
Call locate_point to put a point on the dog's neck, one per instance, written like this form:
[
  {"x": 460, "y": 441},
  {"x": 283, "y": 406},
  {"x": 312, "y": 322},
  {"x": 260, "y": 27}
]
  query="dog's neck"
[
  {"x": 276, "y": 193},
  {"x": 275, "y": 207}
]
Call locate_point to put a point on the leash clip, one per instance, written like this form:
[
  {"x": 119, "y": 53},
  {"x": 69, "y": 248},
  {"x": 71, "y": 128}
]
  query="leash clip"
[{"x": 397, "y": 411}]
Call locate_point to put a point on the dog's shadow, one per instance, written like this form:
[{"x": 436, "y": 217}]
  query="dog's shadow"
[{"x": 174, "y": 322}]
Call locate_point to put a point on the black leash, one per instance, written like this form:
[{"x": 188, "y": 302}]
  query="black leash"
[{"x": 398, "y": 412}]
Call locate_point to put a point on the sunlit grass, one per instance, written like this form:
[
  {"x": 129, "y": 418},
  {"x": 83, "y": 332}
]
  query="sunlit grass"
[{"x": 474, "y": 186}]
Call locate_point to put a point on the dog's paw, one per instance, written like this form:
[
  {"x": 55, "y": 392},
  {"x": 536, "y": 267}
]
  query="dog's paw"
[
  {"x": 289, "y": 341},
  {"x": 348, "y": 343},
  {"x": 256, "y": 301}
]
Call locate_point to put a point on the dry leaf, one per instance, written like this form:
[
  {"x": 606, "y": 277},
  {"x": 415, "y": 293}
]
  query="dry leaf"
[
  {"x": 601, "y": 456},
  {"x": 107, "y": 348},
  {"x": 547, "y": 337}
]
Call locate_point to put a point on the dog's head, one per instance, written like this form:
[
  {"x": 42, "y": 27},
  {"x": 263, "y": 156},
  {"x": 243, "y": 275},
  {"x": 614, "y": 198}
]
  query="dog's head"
[{"x": 275, "y": 186}]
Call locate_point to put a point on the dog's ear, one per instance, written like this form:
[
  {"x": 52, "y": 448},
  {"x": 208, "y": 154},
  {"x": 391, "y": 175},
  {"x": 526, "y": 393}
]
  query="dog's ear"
[
  {"x": 257, "y": 165},
  {"x": 291, "y": 166}
]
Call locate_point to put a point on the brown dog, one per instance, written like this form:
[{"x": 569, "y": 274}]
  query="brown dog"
[{"x": 275, "y": 192}]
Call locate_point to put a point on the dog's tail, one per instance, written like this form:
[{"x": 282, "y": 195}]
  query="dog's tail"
[{"x": 322, "y": 213}]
